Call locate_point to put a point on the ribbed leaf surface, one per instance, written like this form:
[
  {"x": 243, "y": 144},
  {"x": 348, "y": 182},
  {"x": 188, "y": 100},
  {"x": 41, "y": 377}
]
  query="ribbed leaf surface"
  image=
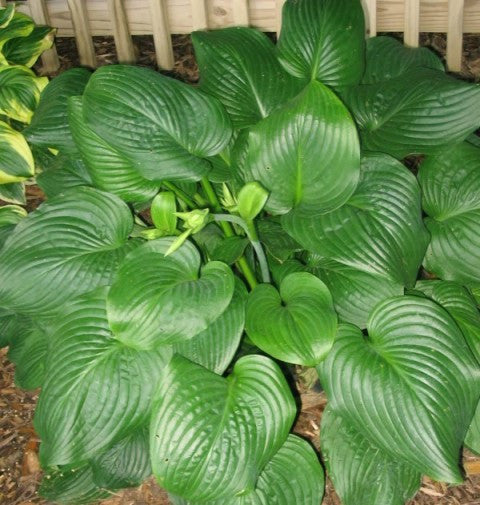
[
  {"x": 13, "y": 192},
  {"x": 16, "y": 161},
  {"x": 10, "y": 216},
  {"x": 239, "y": 67},
  {"x": 97, "y": 390},
  {"x": 306, "y": 153},
  {"x": 472, "y": 440},
  {"x": 323, "y": 40},
  {"x": 417, "y": 112},
  {"x": 157, "y": 299},
  {"x": 451, "y": 197},
  {"x": 296, "y": 324},
  {"x": 68, "y": 246},
  {"x": 360, "y": 472},
  {"x": 211, "y": 437},
  {"x": 379, "y": 230},
  {"x": 26, "y": 50},
  {"x": 164, "y": 127},
  {"x": 410, "y": 388}
]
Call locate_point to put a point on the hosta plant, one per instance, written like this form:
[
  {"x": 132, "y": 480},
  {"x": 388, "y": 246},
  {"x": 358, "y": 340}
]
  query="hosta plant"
[
  {"x": 21, "y": 43},
  {"x": 197, "y": 242}
]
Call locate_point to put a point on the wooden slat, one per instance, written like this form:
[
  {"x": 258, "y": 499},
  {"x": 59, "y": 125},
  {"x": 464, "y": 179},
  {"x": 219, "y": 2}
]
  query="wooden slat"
[
  {"x": 199, "y": 15},
  {"x": 455, "y": 35},
  {"x": 278, "y": 15},
  {"x": 39, "y": 12},
  {"x": 3, "y": 3},
  {"x": 370, "y": 9},
  {"x": 81, "y": 26},
  {"x": 240, "y": 13},
  {"x": 412, "y": 23},
  {"x": 161, "y": 34},
  {"x": 121, "y": 32}
]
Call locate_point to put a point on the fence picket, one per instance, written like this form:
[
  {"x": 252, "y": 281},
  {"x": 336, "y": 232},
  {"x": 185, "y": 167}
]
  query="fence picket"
[
  {"x": 240, "y": 13},
  {"x": 50, "y": 62},
  {"x": 412, "y": 23},
  {"x": 121, "y": 32},
  {"x": 370, "y": 9},
  {"x": 199, "y": 15},
  {"x": 83, "y": 36},
  {"x": 455, "y": 35},
  {"x": 161, "y": 34}
]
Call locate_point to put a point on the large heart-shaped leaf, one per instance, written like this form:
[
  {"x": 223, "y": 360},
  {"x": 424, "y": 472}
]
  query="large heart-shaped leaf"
[
  {"x": 20, "y": 92},
  {"x": 417, "y": 112},
  {"x": 239, "y": 67},
  {"x": 293, "y": 476},
  {"x": 108, "y": 168},
  {"x": 360, "y": 472},
  {"x": 410, "y": 388},
  {"x": 157, "y": 299},
  {"x": 388, "y": 58},
  {"x": 210, "y": 437},
  {"x": 379, "y": 230},
  {"x": 26, "y": 50},
  {"x": 306, "y": 153},
  {"x": 97, "y": 389},
  {"x": 68, "y": 246},
  {"x": 10, "y": 216},
  {"x": 16, "y": 160},
  {"x": 323, "y": 40},
  {"x": 296, "y": 324},
  {"x": 451, "y": 197},
  {"x": 164, "y": 127},
  {"x": 49, "y": 126},
  {"x": 215, "y": 347}
]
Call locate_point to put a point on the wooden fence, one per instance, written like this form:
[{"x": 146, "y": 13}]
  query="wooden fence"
[{"x": 83, "y": 19}]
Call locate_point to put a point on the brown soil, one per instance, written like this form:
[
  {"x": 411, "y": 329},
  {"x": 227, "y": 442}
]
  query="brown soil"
[{"x": 19, "y": 468}]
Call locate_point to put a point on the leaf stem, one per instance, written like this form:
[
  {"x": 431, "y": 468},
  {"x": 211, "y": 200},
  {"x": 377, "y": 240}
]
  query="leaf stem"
[{"x": 180, "y": 194}]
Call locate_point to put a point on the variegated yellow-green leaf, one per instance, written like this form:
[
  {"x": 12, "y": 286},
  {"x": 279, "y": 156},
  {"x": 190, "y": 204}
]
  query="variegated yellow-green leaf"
[
  {"x": 26, "y": 50},
  {"x": 14, "y": 25},
  {"x": 16, "y": 160},
  {"x": 10, "y": 216},
  {"x": 20, "y": 92},
  {"x": 13, "y": 192},
  {"x": 6, "y": 15}
]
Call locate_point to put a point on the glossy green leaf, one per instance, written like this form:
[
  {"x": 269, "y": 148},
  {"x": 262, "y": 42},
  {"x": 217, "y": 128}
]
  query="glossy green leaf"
[
  {"x": 410, "y": 387},
  {"x": 157, "y": 299},
  {"x": 451, "y": 197},
  {"x": 97, "y": 389},
  {"x": 26, "y": 50},
  {"x": 215, "y": 347},
  {"x": 109, "y": 169},
  {"x": 10, "y": 216},
  {"x": 417, "y": 112},
  {"x": 296, "y": 324},
  {"x": 306, "y": 153},
  {"x": 277, "y": 242},
  {"x": 16, "y": 160},
  {"x": 163, "y": 210},
  {"x": 229, "y": 249},
  {"x": 12, "y": 326},
  {"x": 388, "y": 58},
  {"x": 360, "y": 472},
  {"x": 251, "y": 200},
  {"x": 6, "y": 15},
  {"x": 238, "y": 66},
  {"x": 164, "y": 127},
  {"x": 13, "y": 192},
  {"x": 14, "y": 25},
  {"x": 49, "y": 126},
  {"x": 379, "y": 230},
  {"x": 472, "y": 439},
  {"x": 210, "y": 437},
  {"x": 68, "y": 246},
  {"x": 126, "y": 464},
  {"x": 323, "y": 40}
]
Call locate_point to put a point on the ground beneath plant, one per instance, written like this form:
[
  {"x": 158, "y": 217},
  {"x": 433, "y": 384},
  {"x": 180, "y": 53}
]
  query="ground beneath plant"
[{"x": 20, "y": 471}]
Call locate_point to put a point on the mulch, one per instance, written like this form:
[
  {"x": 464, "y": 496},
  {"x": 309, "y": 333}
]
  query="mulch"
[{"x": 20, "y": 471}]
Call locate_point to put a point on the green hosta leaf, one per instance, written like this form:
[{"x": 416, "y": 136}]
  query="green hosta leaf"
[
  {"x": 230, "y": 249},
  {"x": 157, "y": 299},
  {"x": 13, "y": 26},
  {"x": 306, "y": 154},
  {"x": 126, "y": 464},
  {"x": 460, "y": 304},
  {"x": 323, "y": 40},
  {"x": 164, "y": 127},
  {"x": 293, "y": 476},
  {"x": 451, "y": 197},
  {"x": 71, "y": 486},
  {"x": 210, "y": 437},
  {"x": 97, "y": 390},
  {"x": 12, "y": 326},
  {"x": 163, "y": 210},
  {"x": 61, "y": 173},
  {"x": 13, "y": 192},
  {"x": 215, "y": 347},
  {"x": 16, "y": 160},
  {"x": 109, "y": 169},
  {"x": 238, "y": 66},
  {"x": 379, "y": 230},
  {"x": 26, "y": 50},
  {"x": 10, "y": 216},
  {"x": 277, "y": 242},
  {"x": 251, "y": 200},
  {"x": 296, "y": 324},
  {"x": 388, "y": 58},
  {"x": 472, "y": 440},
  {"x": 49, "y": 126},
  {"x": 417, "y": 112},
  {"x": 68, "y": 246},
  {"x": 410, "y": 387},
  {"x": 20, "y": 92},
  {"x": 362, "y": 473}
]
